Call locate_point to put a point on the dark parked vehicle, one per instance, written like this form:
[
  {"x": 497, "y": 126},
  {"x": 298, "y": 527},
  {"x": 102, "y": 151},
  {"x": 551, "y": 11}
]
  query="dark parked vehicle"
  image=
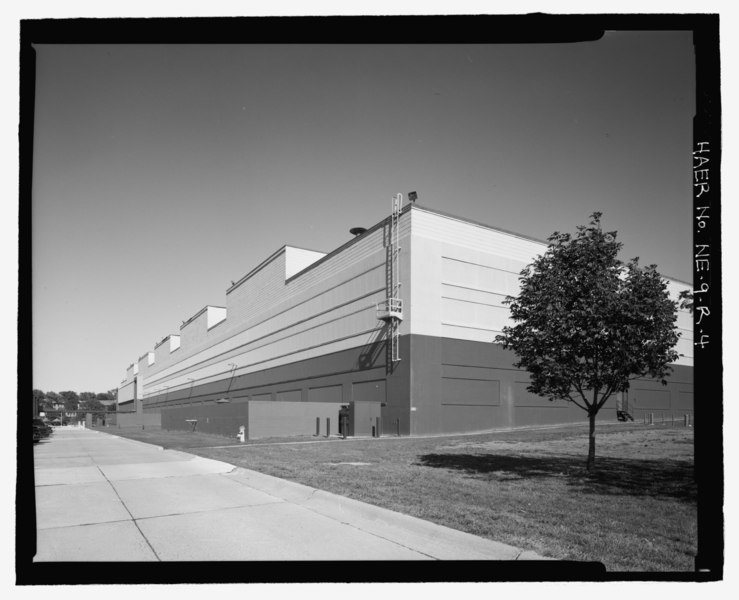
[{"x": 41, "y": 429}]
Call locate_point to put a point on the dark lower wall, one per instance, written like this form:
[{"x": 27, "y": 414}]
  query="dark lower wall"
[
  {"x": 220, "y": 419},
  {"x": 648, "y": 397},
  {"x": 462, "y": 386},
  {"x": 137, "y": 421},
  {"x": 129, "y": 406},
  {"x": 440, "y": 385},
  {"x": 260, "y": 419},
  {"x": 363, "y": 418},
  {"x": 359, "y": 374},
  {"x": 275, "y": 419}
]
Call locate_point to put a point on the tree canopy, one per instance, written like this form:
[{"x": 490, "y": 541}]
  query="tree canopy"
[
  {"x": 70, "y": 399},
  {"x": 586, "y": 323}
]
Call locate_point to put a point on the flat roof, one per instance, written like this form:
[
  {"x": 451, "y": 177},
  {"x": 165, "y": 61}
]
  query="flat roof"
[
  {"x": 408, "y": 207},
  {"x": 507, "y": 232},
  {"x": 165, "y": 339},
  {"x": 345, "y": 245},
  {"x": 259, "y": 267},
  {"x": 197, "y": 314}
]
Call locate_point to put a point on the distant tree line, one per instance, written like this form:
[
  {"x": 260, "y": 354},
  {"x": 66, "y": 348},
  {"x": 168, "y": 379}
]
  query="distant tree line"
[{"x": 70, "y": 401}]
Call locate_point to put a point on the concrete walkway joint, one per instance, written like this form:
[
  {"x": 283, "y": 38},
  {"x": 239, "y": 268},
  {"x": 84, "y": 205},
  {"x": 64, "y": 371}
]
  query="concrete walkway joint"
[{"x": 101, "y": 497}]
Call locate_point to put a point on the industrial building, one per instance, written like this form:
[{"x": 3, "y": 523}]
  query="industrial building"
[{"x": 398, "y": 324}]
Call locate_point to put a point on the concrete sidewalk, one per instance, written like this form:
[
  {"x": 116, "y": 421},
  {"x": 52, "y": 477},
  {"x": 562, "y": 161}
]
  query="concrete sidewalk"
[{"x": 104, "y": 498}]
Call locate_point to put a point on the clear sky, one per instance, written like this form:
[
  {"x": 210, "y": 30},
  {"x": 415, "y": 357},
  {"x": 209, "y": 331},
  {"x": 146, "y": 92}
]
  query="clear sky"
[{"x": 162, "y": 173}]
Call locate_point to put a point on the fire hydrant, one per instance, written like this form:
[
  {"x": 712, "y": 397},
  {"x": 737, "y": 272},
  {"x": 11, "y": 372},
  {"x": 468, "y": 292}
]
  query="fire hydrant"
[{"x": 242, "y": 434}]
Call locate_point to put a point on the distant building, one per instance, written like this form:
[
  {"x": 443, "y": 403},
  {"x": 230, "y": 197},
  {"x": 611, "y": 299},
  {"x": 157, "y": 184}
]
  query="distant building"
[{"x": 398, "y": 323}]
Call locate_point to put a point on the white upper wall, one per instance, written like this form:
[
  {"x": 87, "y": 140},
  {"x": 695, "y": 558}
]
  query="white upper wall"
[
  {"x": 297, "y": 259},
  {"x": 684, "y": 324},
  {"x": 163, "y": 351},
  {"x": 146, "y": 360},
  {"x": 216, "y": 314},
  {"x": 126, "y": 392},
  {"x": 299, "y": 304},
  {"x": 256, "y": 291},
  {"x": 328, "y": 305},
  {"x": 461, "y": 273},
  {"x": 195, "y": 331}
]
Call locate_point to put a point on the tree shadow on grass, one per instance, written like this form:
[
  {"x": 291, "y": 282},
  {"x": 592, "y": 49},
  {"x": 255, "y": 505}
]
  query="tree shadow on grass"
[{"x": 615, "y": 476}]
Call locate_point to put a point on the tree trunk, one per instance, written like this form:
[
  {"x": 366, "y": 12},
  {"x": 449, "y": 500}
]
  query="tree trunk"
[{"x": 591, "y": 443}]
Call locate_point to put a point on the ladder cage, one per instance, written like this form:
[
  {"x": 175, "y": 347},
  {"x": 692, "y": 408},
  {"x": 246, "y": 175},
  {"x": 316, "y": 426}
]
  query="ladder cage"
[{"x": 391, "y": 309}]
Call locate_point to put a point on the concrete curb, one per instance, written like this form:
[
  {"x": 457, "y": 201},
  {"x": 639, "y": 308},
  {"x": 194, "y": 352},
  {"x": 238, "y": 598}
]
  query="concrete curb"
[
  {"x": 214, "y": 466},
  {"x": 429, "y": 538},
  {"x": 436, "y": 541}
]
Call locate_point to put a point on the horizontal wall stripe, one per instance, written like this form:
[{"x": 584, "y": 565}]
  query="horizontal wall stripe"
[
  {"x": 229, "y": 334},
  {"x": 301, "y": 350},
  {"x": 495, "y": 368},
  {"x": 326, "y": 371},
  {"x": 474, "y": 289},
  {"x": 475, "y": 264},
  {"x": 165, "y": 371},
  {"x": 316, "y": 346},
  {"x": 469, "y": 327},
  {"x": 474, "y": 302},
  {"x": 316, "y": 296},
  {"x": 466, "y": 404},
  {"x": 293, "y": 381},
  {"x": 244, "y": 348},
  {"x": 240, "y": 348},
  {"x": 468, "y": 378},
  {"x": 355, "y": 312},
  {"x": 212, "y": 378},
  {"x": 245, "y": 391},
  {"x": 447, "y": 364},
  {"x": 321, "y": 375}
]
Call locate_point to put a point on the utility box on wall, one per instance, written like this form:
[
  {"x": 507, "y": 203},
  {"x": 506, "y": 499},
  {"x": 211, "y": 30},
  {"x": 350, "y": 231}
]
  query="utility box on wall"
[{"x": 364, "y": 418}]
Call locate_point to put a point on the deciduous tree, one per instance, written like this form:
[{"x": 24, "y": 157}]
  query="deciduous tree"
[
  {"x": 70, "y": 399},
  {"x": 39, "y": 398},
  {"x": 586, "y": 324},
  {"x": 52, "y": 399},
  {"x": 95, "y": 407},
  {"x": 85, "y": 399}
]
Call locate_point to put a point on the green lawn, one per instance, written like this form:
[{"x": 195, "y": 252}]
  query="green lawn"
[{"x": 528, "y": 488}]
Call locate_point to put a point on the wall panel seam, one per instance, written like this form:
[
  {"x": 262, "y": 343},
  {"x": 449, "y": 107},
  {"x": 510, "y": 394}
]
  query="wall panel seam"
[
  {"x": 333, "y": 341},
  {"x": 243, "y": 348},
  {"x": 474, "y": 264},
  {"x": 295, "y": 324},
  {"x": 473, "y": 289}
]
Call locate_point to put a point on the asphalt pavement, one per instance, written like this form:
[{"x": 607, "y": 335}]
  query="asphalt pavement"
[{"x": 100, "y": 497}]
